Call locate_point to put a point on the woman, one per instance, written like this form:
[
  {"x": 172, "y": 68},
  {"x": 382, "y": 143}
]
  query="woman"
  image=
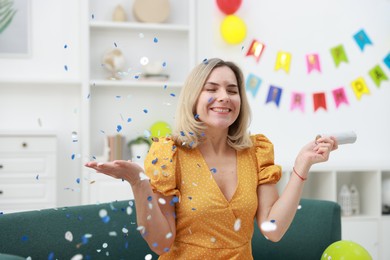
[{"x": 208, "y": 182}]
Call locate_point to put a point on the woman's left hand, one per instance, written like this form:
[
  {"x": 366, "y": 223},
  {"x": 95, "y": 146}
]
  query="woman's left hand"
[{"x": 315, "y": 152}]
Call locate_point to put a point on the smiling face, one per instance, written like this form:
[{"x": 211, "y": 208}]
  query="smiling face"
[{"x": 219, "y": 102}]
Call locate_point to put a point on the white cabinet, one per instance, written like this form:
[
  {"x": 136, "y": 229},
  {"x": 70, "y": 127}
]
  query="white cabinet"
[
  {"x": 130, "y": 104},
  {"x": 27, "y": 172},
  {"x": 369, "y": 227}
]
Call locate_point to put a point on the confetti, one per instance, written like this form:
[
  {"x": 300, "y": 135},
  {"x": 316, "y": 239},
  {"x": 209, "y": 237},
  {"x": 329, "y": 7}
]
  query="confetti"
[
  {"x": 78, "y": 180},
  {"x": 155, "y": 40},
  {"x": 129, "y": 120},
  {"x": 155, "y": 244},
  {"x": 118, "y": 128},
  {"x": 213, "y": 239},
  {"x": 165, "y": 86},
  {"x": 148, "y": 257},
  {"x": 213, "y": 170},
  {"x": 155, "y": 161},
  {"x": 143, "y": 176},
  {"x": 129, "y": 210},
  {"x": 299, "y": 206},
  {"x": 268, "y": 226},
  {"x": 105, "y": 245},
  {"x": 24, "y": 238},
  {"x": 125, "y": 230},
  {"x": 65, "y": 46},
  {"x": 74, "y": 136},
  {"x": 205, "y": 61},
  {"x": 237, "y": 224},
  {"x": 196, "y": 117},
  {"x": 73, "y": 156},
  {"x": 210, "y": 99},
  {"x": 169, "y": 235},
  {"x": 69, "y": 236},
  {"x": 144, "y": 61},
  {"x": 145, "y": 111},
  {"x": 93, "y": 16},
  {"x": 37, "y": 177},
  {"x": 173, "y": 94},
  {"x": 77, "y": 257},
  {"x": 66, "y": 67},
  {"x": 162, "y": 201},
  {"x": 149, "y": 198},
  {"x": 164, "y": 64},
  {"x": 115, "y": 44}
]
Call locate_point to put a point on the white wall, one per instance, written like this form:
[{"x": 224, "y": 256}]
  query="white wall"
[
  {"x": 33, "y": 96},
  {"x": 302, "y": 27}
]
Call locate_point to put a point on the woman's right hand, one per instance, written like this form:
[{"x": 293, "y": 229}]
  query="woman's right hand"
[{"x": 119, "y": 169}]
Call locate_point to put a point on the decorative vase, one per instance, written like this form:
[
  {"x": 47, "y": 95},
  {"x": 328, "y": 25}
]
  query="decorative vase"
[
  {"x": 119, "y": 14},
  {"x": 113, "y": 61}
]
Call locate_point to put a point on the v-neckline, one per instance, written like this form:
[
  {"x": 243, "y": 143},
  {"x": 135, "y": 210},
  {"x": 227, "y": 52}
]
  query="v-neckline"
[{"x": 215, "y": 183}]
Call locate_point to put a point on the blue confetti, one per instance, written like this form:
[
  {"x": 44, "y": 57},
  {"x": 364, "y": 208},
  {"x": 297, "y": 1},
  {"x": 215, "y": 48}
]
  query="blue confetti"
[
  {"x": 166, "y": 249},
  {"x": 127, "y": 244},
  {"x": 89, "y": 95},
  {"x": 155, "y": 244},
  {"x": 129, "y": 120},
  {"x": 196, "y": 117},
  {"x": 155, "y": 161},
  {"x": 173, "y": 94},
  {"x": 205, "y": 61},
  {"x": 165, "y": 86},
  {"x": 65, "y": 46},
  {"x": 145, "y": 111},
  {"x": 175, "y": 199},
  {"x": 66, "y": 67},
  {"x": 191, "y": 133},
  {"x": 213, "y": 170},
  {"x": 150, "y": 198},
  {"x": 73, "y": 156},
  {"x": 24, "y": 238},
  {"x": 136, "y": 76},
  {"x": 210, "y": 99},
  {"x": 164, "y": 64},
  {"x": 78, "y": 180},
  {"x": 118, "y": 128},
  {"x": 37, "y": 177},
  {"x": 182, "y": 133},
  {"x": 118, "y": 97},
  {"x": 190, "y": 198},
  {"x": 84, "y": 239},
  {"x": 273, "y": 221},
  {"x": 138, "y": 157},
  {"x": 155, "y": 40},
  {"x": 106, "y": 219},
  {"x": 50, "y": 256},
  {"x": 93, "y": 16},
  {"x": 102, "y": 131},
  {"x": 115, "y": 44}
]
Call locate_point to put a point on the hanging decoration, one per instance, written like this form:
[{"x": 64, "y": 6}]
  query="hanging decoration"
[
  {"x": 339, "y": 55},
  {"x": 377, "y": 75},
  {"x": 362, "y": 39},
  {"x": 386, "y": 60},
  {"x": 228, "y": 6},
  {"x": 319, "y": 101},
  {"x": 283, "y": 61},
  {"x": 256, "y": 49},
  {"x": 274, "y": 95},
  {"x": 313, "y": 62},
  {"x": 297, "y": 101},
  {"x": 253, "y": 84},
  {"x": 359, "y": 87},
  {"x": 339, "y": 96},
  {"x": 233, "y": 29}
]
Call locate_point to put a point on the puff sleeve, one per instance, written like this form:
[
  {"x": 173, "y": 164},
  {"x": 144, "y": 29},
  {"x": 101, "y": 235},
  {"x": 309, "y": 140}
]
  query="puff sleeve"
[
  {"x": 267, "y": 171},
  {"x": 160, "y": 167}
]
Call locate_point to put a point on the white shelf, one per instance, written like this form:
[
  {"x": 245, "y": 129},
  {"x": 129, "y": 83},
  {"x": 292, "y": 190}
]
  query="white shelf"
[
  {"x": 135, "y": 84},
  {"x": 107, "y": 25}
]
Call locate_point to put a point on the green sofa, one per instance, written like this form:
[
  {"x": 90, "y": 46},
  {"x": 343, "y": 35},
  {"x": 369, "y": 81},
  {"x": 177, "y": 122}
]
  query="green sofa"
[{"x": 108, "y": 231}]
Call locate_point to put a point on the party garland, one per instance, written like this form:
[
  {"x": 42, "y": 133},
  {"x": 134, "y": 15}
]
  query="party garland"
[{"x": 233, "y": 31}]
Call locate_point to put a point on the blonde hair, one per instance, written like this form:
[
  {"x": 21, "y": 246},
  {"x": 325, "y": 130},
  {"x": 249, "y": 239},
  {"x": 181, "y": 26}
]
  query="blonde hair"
[{"x": 189, "y": 131}]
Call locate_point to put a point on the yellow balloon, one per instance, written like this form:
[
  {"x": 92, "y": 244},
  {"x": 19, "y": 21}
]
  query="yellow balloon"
[
  {"x": 233, "y": 29},
  {"x": 160, "y": 129}
]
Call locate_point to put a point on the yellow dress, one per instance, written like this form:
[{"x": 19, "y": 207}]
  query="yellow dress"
[{"x": 207, "y": 225}]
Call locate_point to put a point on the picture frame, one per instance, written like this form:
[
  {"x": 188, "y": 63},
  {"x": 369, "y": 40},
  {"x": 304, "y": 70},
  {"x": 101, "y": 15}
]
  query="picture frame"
[{"x": 15, "y": 28}]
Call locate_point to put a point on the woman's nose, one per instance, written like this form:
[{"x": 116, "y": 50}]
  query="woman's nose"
[{"x": 223, "y": 96}]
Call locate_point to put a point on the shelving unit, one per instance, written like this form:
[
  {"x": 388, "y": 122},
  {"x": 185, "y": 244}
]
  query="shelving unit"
[
  {"x": 368, "y": 228},
  {"x": 110, "y": 103}
]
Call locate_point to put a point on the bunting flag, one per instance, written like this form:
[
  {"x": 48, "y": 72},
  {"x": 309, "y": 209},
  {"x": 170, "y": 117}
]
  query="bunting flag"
[
  {"x": 377, "y": 75},
  {"x": 340, "y": 96},
  {"x": 297, "y": 101},
  {"x": 274, "y": 95},
  {"x": 386, "y": 60},
  {"x": 283, "y": 61},
  {"x": 256, "y": 49},
  {"x": 319, "y": 101},
  {"x": 253, "y": 84},
  {"x": 313, "y": 62},
  {"x": 362, "y": 39},
  {"x": 359, "y": 87},
  {"x": 339, "y": 55}
]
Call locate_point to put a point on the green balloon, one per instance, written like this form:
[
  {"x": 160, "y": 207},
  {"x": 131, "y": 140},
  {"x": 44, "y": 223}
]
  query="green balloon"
[
  {"x": 160, "y": 129},
  {"x": 345, "y": 250}
]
